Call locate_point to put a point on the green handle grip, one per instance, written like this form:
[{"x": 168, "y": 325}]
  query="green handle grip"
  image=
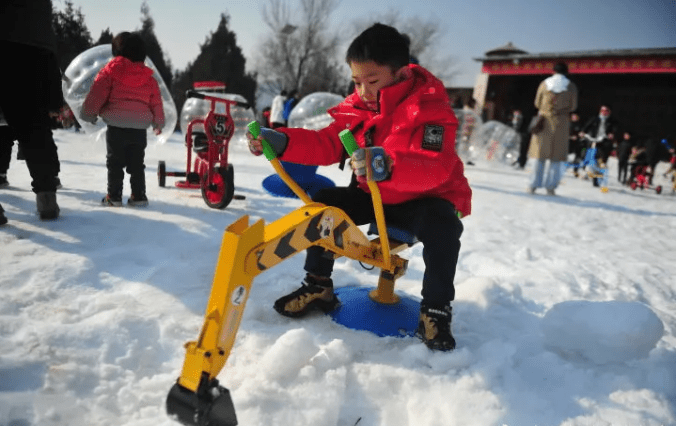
[
  {"x": 255, "y": 130},
  {"x": 348, "y": 141}
]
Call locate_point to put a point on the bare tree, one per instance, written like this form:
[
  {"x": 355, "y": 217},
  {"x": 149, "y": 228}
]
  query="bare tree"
[
  {"x": 299, "y": 44},
  {"x": 424, "y": 36}
]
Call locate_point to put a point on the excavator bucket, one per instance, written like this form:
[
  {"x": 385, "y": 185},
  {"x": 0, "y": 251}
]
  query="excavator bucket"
[{"x": 214, "y": 408}]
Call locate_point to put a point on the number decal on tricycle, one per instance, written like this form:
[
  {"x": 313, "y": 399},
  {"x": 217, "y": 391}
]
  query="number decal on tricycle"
[{"x": 219, "y": 128}]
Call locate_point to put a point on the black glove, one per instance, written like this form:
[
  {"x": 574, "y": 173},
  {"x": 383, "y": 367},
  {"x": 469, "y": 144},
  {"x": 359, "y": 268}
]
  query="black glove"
[{"x": 277, "y": 140}]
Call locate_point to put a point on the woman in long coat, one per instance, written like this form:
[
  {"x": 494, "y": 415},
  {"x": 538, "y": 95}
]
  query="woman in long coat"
[{"x": 556, "y": 99}]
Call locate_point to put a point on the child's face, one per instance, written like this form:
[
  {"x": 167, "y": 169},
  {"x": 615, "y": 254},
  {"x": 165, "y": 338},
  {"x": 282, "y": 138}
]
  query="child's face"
[{"x": 369, "y": 78}]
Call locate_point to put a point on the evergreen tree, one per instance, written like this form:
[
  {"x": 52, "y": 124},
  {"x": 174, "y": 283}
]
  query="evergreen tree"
[
  {"x": 106, "y": 37},
  {"x": 72, "y": 35},
  {"x": 220, "y": 59},
  {"x": 153, "y": 48}
]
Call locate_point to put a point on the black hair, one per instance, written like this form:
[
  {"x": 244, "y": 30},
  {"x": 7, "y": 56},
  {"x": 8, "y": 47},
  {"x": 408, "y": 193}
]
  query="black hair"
[
  {"x": 382, "y": 44},
  {"x": 130, "y": 46},
  {"x": 561, "y": 68}
]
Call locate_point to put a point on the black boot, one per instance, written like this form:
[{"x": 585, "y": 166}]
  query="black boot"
[
  {"x": 47, "y": 206},
  {"x": 434, "y": 327},
  {"x": 3, "y": 218},
  {"x": 315, "y": 293}
]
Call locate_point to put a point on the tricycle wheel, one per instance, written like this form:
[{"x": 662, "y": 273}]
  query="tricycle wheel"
[
  {"x": 161, "y": 173},
  {"x": 659, "y": 189},
  {"x": 219, "y": 192}
]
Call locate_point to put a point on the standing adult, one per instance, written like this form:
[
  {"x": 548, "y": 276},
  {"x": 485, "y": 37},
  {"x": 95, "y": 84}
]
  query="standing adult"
[
  {"x": 277, "y": 110},
  {"x": 576, "y": 144},
  {"x": 556, "y": 98},
  {"x": 624, "y": 149},
  {"x": 517, "y": 123},
  {"x": 30, "y": 90}
]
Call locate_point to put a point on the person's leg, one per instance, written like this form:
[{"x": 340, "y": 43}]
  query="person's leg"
[
  {"x": 136, "y": 151},
  {"x": 317, "y": 289},
  {"x": 553, "y": 176},
  {"x": 356, "y": 204},
  {"x": 536, "y": 179},
  {"x": 6, "y": 142},
  {"x": 622, "y": 171},
  {"x": 115, "y": 163},
  {"x": 438, "y": 228},
  {"x": 524, "y": 149},
  {"x": 25, "y": 101},
  {"x": 3, "y": 218},
  {"x": 26, "y": 110}
]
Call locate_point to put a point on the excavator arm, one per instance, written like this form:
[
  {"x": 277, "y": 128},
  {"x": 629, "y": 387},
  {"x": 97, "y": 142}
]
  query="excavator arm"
[{"x": 246, "y": 251}]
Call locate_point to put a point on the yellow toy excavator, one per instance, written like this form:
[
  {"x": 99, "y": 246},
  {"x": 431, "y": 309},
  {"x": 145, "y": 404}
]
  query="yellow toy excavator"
[{"x": 248, "y": 250}]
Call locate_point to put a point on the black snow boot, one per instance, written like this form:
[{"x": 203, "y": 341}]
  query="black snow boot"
[
  {"x": 434, "y": 327},
  {"x": 315, "y": 293}
]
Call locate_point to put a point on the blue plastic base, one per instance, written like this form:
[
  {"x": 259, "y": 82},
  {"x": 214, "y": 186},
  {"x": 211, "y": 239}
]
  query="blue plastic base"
[
  {"x": 359, "y": 312},
  {"x": 304, "y": 175},
  {"x": 276, "y": 186}
]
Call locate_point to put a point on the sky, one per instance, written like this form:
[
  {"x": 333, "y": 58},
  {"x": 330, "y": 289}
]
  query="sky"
[
  {"x": 564, "y": 311},
  {"x": 469, "y": 28}
]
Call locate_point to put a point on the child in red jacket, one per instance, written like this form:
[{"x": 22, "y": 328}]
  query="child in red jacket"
[
  {"x": 404, "y": 109},
  {"x": 128, "y": 99}
]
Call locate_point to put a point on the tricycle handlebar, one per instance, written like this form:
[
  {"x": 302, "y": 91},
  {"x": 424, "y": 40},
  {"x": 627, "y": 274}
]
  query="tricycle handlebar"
[{"x": 199, "y": 95}]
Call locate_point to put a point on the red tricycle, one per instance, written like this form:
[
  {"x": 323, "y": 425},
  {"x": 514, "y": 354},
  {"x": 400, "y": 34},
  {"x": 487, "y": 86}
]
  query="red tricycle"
[{"x": 208, "y": 137}]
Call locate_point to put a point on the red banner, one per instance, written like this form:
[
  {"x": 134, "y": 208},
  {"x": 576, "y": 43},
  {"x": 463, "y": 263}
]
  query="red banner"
[{"x": 615, "y": 65}]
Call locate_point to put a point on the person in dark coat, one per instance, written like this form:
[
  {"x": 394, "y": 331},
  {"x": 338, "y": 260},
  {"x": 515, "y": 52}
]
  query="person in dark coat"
[
  {"x": 30, "y": 91},
  {"x": 624, "y": 149},
  {"x": 518, "y": 124},
  {"x": 602, "y": 130},
  {"x": 576, "y": 144},
  {"x": 655, "y": 152}
]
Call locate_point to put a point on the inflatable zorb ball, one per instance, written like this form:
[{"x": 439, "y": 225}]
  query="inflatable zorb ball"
[
  {"x": 311, "y": 111},
  {"x": 198, "y": 108},
  {"x": 80, "y": 75},
  {"x": 496, "y": 142}
]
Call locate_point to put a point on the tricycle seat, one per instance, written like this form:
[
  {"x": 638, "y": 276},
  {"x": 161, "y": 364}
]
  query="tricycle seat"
[{"x": 200, "y": 142}]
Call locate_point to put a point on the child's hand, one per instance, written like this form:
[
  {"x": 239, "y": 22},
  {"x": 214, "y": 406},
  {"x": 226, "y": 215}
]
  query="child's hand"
[
  {"x": 371, "y": 164},
  {"x": 157, "y": 131},
  {"x": 277, "y": 140}
]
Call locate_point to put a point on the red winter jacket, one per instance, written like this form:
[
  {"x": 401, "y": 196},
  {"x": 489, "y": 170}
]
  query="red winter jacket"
[
  {"x": 125, "y": 94},
  {"x": 414, "y": 124}
]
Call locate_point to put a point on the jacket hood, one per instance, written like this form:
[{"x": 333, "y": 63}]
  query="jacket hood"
[{"x": 130, "y": 73}]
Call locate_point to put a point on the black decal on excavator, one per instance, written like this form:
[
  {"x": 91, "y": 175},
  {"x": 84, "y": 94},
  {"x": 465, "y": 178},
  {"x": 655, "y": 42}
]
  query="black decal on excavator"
[
  {"x": 259, "y": 265},
  {"x": 338, "y": 233},
  {"x": 283, "y": 249},
  {"x": 312, "y": 233}
]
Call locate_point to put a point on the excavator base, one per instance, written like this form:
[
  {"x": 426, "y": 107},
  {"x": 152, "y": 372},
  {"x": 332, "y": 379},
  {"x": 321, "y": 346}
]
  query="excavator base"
[{"x": 359, "y": 311}]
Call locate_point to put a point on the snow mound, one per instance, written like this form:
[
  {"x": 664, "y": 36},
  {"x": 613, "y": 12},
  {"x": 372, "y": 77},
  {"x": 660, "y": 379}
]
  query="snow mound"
[{"x": 601, "y": 332}]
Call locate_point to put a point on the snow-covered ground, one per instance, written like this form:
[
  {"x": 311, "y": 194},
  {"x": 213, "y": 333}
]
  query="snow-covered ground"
[{"x": 565, "y": 309}]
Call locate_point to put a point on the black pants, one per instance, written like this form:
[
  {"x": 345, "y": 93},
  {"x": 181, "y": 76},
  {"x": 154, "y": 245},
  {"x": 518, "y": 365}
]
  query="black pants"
[
  {"x": 28, "y": 91},
  {"x": 7, "y": 138},
  {"x": 126, "y": 148},
  {"x": 623, "y": 170},
  {"x": 432, "y": 220},
  {"x": 525, "y": 139}
]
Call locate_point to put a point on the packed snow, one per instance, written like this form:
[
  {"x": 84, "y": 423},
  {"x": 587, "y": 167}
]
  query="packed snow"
[{"x": 564, "y": 315}]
